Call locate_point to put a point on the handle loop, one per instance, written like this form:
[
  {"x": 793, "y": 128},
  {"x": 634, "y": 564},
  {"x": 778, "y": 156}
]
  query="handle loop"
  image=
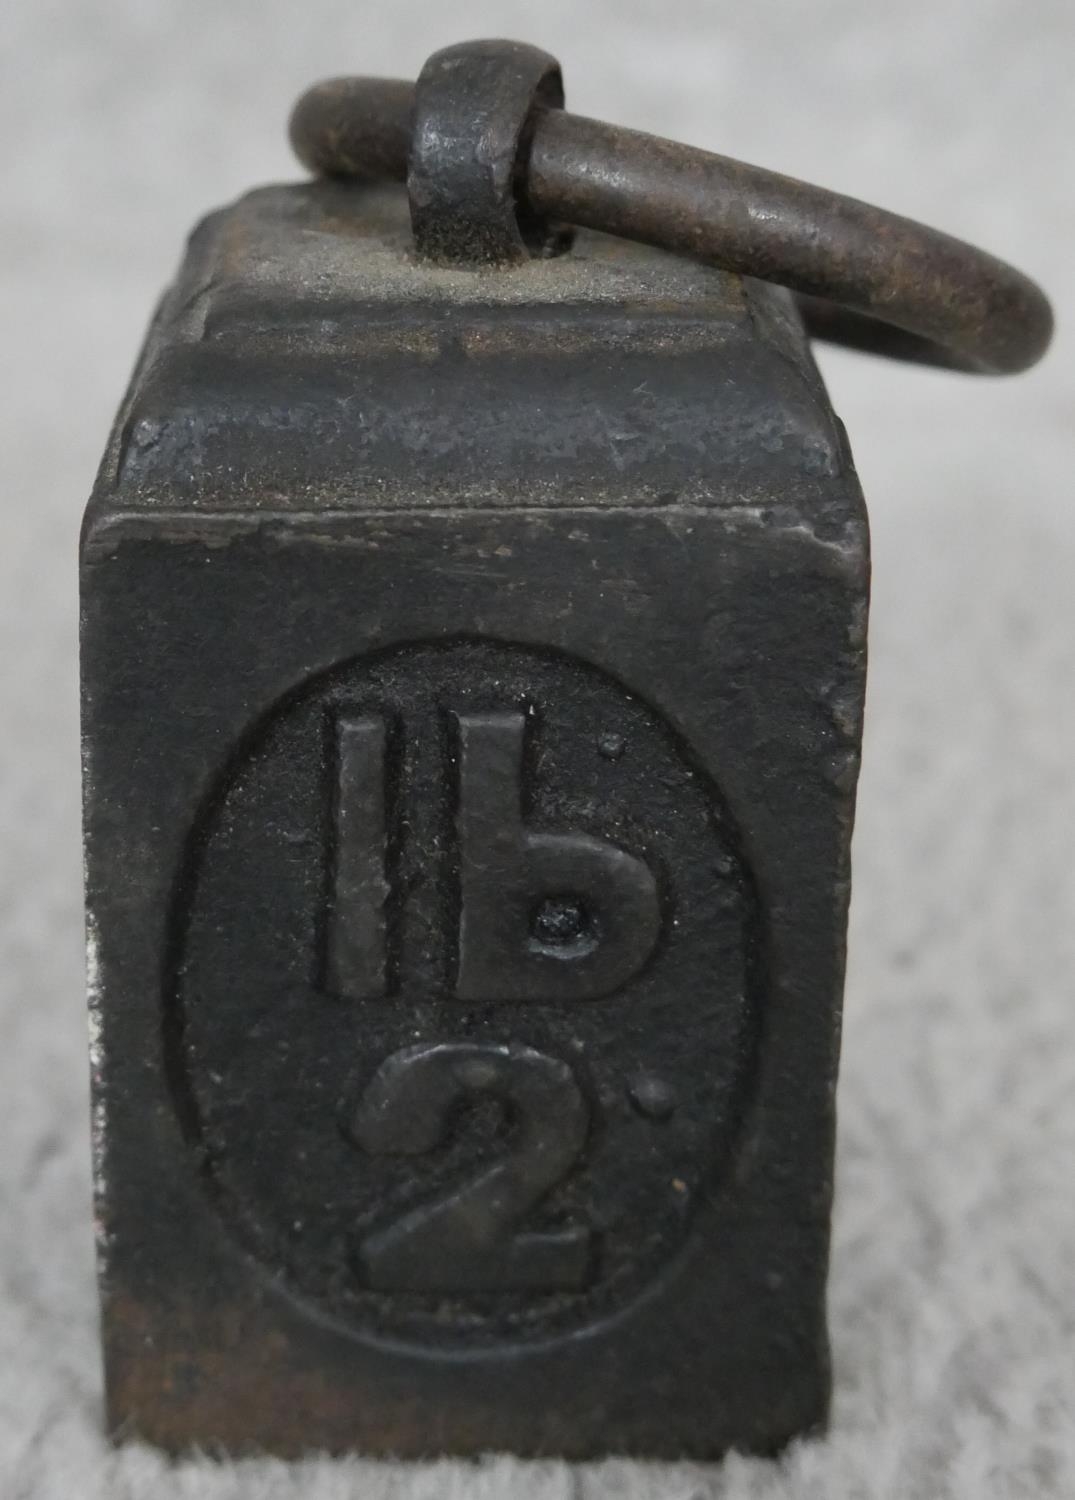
[{"x": 493, "y": 161}]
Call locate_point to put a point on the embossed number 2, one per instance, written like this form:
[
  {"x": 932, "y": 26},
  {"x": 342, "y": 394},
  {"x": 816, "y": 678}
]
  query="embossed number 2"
[{"x": 467, "y": 1238}]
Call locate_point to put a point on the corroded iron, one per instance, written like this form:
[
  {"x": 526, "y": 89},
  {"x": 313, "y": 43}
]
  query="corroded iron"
[{"x": 473, "y": 654}]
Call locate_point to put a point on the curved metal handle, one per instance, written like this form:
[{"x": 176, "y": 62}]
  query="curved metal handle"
[{"x": 867, "y": 278}]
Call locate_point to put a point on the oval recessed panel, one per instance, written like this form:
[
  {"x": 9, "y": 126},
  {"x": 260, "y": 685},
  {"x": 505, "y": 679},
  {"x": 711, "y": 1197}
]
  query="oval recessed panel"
[{"x": 462, "y": 1013}]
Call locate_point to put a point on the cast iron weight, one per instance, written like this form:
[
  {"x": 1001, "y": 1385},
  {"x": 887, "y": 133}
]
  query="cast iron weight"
[
  {"x": 472, "y": 713},
  {"x": 489, "y": 154}
]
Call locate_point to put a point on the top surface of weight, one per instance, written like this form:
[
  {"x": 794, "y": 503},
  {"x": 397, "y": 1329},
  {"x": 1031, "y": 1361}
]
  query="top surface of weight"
[{"x": 304, "y": 358}]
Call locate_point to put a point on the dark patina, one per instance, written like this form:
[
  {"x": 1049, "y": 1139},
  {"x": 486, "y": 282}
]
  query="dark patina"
[{"x": 473, "y": 638}]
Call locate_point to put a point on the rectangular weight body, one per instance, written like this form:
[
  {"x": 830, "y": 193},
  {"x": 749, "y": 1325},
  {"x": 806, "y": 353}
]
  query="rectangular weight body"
[{"x": 472, "y": 680}]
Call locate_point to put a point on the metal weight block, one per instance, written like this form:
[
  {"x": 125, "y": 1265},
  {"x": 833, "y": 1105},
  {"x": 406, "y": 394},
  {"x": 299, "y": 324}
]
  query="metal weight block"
[
  {"x": 473, "y": 666},
  {"x": 473, "y": 659},
  {"x": 473, "y": 639}
]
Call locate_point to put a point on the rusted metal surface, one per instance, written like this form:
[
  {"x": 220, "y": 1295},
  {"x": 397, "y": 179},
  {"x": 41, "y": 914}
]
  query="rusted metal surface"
[
  {"x": 472, "y": 720},
  {"x": 472, "y": 717},
  {"x": 870, "y": 278}
]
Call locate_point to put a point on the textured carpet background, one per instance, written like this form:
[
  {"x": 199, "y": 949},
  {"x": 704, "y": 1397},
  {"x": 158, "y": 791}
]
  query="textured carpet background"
[{"x": 953, "y": 1278}]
